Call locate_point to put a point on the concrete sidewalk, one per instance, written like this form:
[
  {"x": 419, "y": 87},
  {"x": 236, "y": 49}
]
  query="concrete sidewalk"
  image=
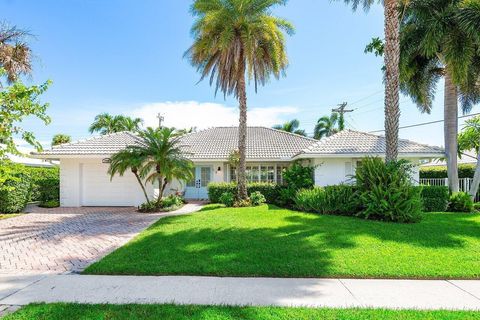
[{"x": 394, "y": 294}]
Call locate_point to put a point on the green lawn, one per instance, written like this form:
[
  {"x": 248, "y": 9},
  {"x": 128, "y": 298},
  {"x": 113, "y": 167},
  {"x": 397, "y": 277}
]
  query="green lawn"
[
  {"x": 7, "y": 215},
  {"x": 165, "y": 312},
  {"x": 269, "y": 241}
]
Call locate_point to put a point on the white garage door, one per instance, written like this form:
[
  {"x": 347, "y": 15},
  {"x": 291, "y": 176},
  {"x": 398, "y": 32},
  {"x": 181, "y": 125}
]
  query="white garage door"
[{"x": 98, "y": 190}]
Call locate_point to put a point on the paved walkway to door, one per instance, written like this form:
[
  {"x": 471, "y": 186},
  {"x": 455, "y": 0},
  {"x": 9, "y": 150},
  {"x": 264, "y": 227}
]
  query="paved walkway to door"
[{"x": 62, "y": 240}]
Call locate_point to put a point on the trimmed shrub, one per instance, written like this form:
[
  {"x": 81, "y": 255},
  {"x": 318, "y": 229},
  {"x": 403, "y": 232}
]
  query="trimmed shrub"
[
  {"x": 339, "y": 200},
  {"x": 295, "y": 177},
  {"x": 15, "y": 186},
  {"x": 385, "y": 191},
  {"x": 227, "y": 199},
  {"x": 440, "y": 172},
  {"x": 269, "y": 190},
  {"x": 434, "y": 198},
  {"x": 45, "y": 183},
  {"x": 257, "y": 198},
  {"x": 460, "y": 202}
]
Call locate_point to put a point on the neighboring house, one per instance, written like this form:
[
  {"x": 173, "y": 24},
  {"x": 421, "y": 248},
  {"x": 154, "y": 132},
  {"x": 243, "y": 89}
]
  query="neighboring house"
[
  {"x": 28, "y": 161},
  {"x": 467, "y": 157},
  {"x": 83, "y": 164}
]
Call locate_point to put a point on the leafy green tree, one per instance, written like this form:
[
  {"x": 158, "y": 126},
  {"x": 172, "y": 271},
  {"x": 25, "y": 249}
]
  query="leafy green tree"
[
  {"x": 441, "y": 39},
  {"x": 128, "y": 160},
  {"x": 327, "y": 126},
  {"x": 235, "y": 40},
  {"x": 391, "y": 52},
  {"x": 18, "y": 102},
  {"x": 60, "y": 139},
  {"x": 291, "y": 126},
  {"x": 469, "y": 139},
  {"x": 105, "y": 123},
  {"x": 15, "y": 53}
]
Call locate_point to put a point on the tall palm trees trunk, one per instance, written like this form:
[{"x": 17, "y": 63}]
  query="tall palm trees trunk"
[
  {"x": 242, "y": 132},
  {"x": 451, "y": 130},
  {"x": 392, "y": 78},
  {"x": 135, "y": 172},
  {"x": 476, "y": 178}
]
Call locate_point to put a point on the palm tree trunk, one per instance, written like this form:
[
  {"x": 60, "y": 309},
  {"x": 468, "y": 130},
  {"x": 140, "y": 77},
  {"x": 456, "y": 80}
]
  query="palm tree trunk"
[
  {"x": 392, "y": 81},
  {"x": 451, "y": 131},
  {"x": 476, "y": 178},
  {"x": 141, "y": 185},
  {"x": 242, "y": 133}
]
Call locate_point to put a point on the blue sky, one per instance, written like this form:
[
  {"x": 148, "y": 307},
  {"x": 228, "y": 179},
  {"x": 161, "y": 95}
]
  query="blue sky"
[{"x": 125, "y": 56}]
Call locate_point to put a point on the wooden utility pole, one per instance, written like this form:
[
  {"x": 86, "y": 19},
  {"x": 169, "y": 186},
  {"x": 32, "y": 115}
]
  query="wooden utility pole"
[
  {"x": 341, "y": 110},
  {"x": 160, "y": 119}
]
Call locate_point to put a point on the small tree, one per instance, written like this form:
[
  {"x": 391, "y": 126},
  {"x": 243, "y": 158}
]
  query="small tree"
[
  {"x": 292, "y": 126},
  {"x": 105, "y": 123},
  {"x": 327, "y": 126},
  {"x": 60, "y": 139},
  {"x": 469, "y": 139}
]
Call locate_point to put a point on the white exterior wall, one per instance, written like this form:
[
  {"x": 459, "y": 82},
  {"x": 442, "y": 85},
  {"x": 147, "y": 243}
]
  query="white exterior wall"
[
  {"x": 333, "y": 171},
  {"x": 80, "y": 178}
]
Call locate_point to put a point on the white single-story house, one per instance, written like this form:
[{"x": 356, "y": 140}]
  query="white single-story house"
[{"x": 83, "y": 164}]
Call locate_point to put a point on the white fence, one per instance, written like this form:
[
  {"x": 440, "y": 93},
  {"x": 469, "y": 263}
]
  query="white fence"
[{"x": 463, "y": 184}]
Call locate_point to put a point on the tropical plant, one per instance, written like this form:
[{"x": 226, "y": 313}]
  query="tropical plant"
[
  {"x": 469, "y": 139},
  {"x": 441, "y": 38},
  {"x": 227, "y": 199},
  {"x": 326, "y": 126},
  {"x": 61, "y": 138},
  {"x": 291, "y": 126},
  {"x": 164, "y": 159},
  {"x": 257, "y": 198},
  {"x": 105, "y": 123},
  {"x": 128, "y": 160},
  {"x": 385, "y": 191},
  {"x": 391, "y": 52},
  {"x": 18, "y": 102},
  {"x": 15, "y": 53},
  {"x": 235, "y": 40},
  {"x": 460, "y": 202}
]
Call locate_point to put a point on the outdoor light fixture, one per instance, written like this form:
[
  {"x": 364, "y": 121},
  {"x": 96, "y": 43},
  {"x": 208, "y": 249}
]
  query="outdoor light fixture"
[
  {"x": 106, "y": 160},
  {"x": 219, "y": 169}
]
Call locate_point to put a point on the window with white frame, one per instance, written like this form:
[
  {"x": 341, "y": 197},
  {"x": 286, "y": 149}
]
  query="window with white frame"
[{"x": 271, "y": 173}]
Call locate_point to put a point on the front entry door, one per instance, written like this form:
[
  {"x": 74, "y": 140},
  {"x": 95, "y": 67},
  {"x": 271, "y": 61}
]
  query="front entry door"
[{"x": 197, "y": 189}]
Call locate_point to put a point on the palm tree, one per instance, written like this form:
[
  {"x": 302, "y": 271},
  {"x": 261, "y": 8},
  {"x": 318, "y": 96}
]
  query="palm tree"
[
  {"x": 125, "y": 160},
  {"x": 291, "y": 126},
  {"x": 162, "y": 158},
  {"x": 61, "y": 138},
  {"x": 469, "y": 139},
  {"x": 441, "y": 38},
  {"x": 391, "y": 58},
  {"x": 105, "y": 123},
  {"x": 326, "y": 126},
  {"x": 15, "y": 54},
  {"x": 235, "y": 39}
]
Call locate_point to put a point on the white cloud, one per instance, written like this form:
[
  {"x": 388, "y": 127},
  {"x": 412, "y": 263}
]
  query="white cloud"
[{"x": 186, "y": 114}]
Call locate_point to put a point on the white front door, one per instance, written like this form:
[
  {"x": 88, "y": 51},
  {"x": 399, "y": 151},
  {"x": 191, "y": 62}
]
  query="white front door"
[{"x": 197, "y": 188}]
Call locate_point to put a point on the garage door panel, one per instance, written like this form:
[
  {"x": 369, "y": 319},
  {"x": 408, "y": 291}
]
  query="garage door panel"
[{"x": 99, "y": 190}]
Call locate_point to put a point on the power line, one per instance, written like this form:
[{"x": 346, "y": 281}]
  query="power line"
[{"x": 427, "y": 123}]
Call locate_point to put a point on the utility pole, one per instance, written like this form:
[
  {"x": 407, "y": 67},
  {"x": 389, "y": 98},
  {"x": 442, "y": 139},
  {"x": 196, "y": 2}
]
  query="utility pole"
[
  {"x": 342, "y": 110},
  {"x": 160, "y": 119}
]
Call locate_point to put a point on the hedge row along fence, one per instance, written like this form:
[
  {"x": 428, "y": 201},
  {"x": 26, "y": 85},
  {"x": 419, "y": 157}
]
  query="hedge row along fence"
[
  {"x": 464, "y": 171},
  {"x": 20, "y": 184},
  {"x": 339, "y": 200}
]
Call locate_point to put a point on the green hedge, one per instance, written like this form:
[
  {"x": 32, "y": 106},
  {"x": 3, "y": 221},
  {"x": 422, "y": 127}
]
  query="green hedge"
[
  {"x": 15, "y": 186},
  {"x": 45, "y": 183},
  {"x": 269, "y": 190},
  {"x": 440, "y": 172},
  {"x": 434, "y": 198},
  {"x": 340, "y": 200}
]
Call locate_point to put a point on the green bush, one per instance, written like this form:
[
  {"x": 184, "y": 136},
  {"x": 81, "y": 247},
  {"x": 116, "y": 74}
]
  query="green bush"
[
  {"x": 45, "y": 183},
  {"x": 50, "y": 204},
  {"x": 296, "y": 177},
  {"x": 440, "y": 172},
  {"x": 148, "y": 207},
  {"x": 15, "y": 186},
  {"x": 227, "y": 199},
  {"x": 171, "y": 201},
  {"x": 434, "y": 198},
  {"x": 460, "y": 202},
  {"x": 476, "y": 206},
  {"x": 340, "y": 200},
  {"x": 385, "y": 191},
  {"x": 269, "y": 190},
  {"x": 257, "y": 198}
]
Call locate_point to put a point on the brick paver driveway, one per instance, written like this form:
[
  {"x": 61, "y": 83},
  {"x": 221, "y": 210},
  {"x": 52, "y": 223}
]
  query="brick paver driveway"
[{"x": 65, "y": 239}]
